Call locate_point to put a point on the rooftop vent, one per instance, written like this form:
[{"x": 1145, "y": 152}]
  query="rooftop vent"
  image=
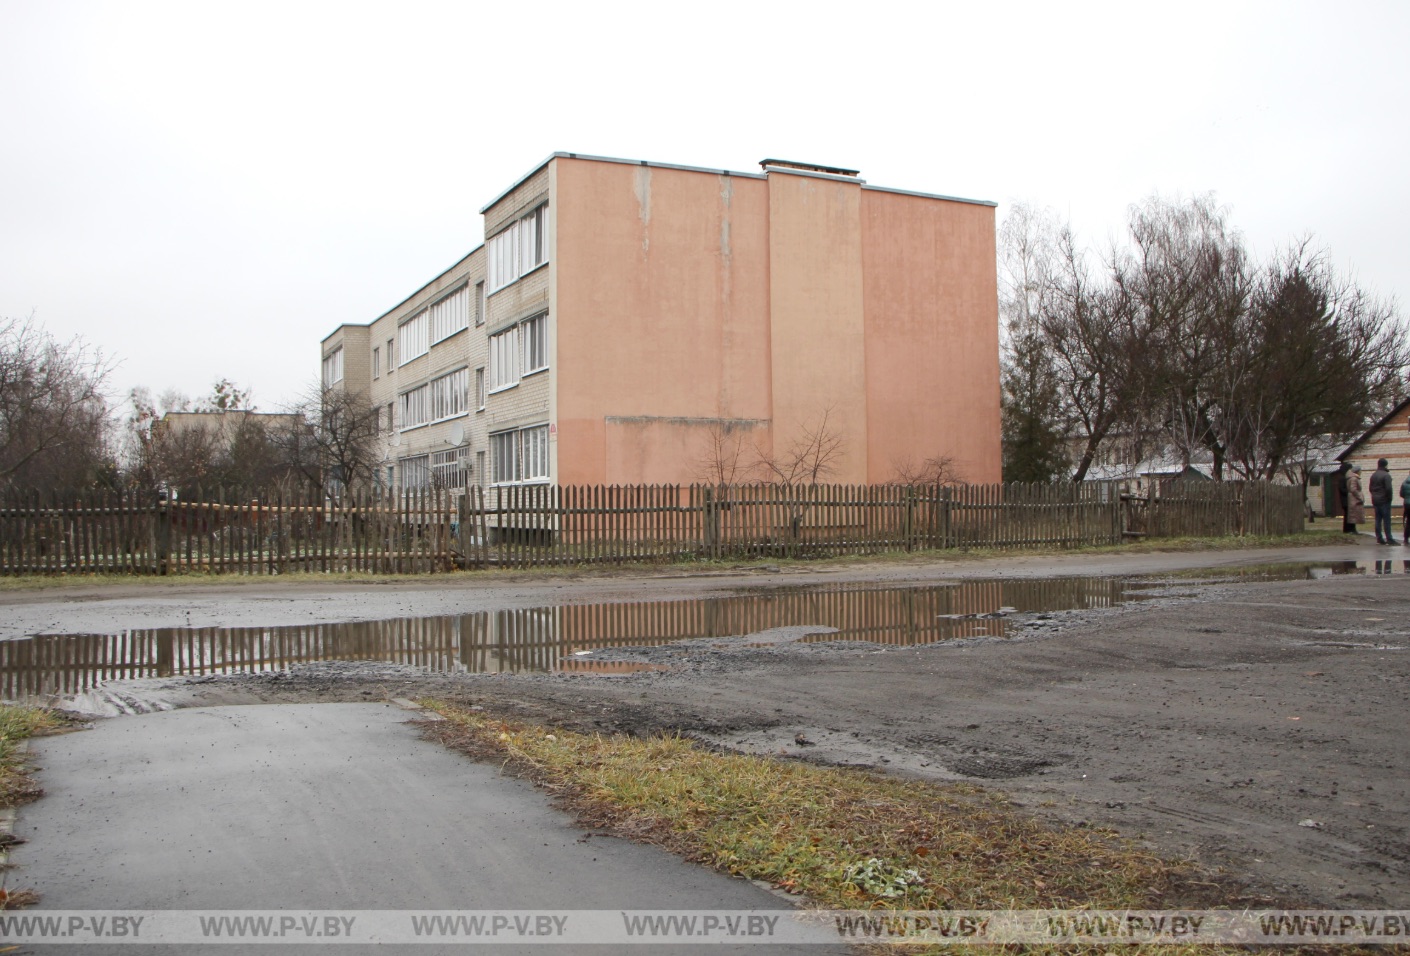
[{"x": 808, "y": 167}]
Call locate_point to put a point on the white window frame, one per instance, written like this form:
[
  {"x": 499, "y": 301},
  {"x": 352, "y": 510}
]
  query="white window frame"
[
  {"x": 520, "y": 456},
  {"x": 517, "y": 250},
  {"x": 450, "y": 395},
  {"x": 414, "y": 408},
  {"x": 333, "y": 367},
  {"x": 480, "y": 391},
  {"x": 449, "y": 315},
  {"x": 448, "y": 468},
  {"x": 415, "y": 472},
  {"x": 480, "y": 304},
  {"x": 414, "y": 337},
  {"x": 504, "y": 359},
  {"x": 535, "y": 339},
  {"x": 377, "y": 362}
]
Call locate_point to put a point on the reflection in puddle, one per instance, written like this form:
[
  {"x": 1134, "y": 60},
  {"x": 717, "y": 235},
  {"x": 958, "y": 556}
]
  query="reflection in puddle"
[
  {"x": 541, "y": 640},
  {"x": 1299, "y": 571}
]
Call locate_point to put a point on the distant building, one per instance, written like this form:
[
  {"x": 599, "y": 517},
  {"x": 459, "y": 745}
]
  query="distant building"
[
  {"x": 220, "y": 426},
  {"x": 1389, "y": 438},
  {"x": 632, "y": 322}
]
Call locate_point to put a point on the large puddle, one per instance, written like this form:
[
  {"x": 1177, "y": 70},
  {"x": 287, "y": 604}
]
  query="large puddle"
[
  {"x": 563, "y": 638},
  {"x": 543, "y": 639}
]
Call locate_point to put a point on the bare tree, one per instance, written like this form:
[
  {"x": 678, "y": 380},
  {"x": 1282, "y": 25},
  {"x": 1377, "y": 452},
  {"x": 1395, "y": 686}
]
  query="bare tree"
[
  {"x": 813, "y": 455},
  {"x": 1178, "y": 340},
  {"x": 1100, "y": 344},
  {"x": 1188, "y": 277},
  {"x": 339, "y": 443},
  {"x": 226, "y": 396},
  {"x": 54, "y": 429},
  {"x": 1326, "y": 359},
  {"x": 935, "y": 470},
  {"x": 1034, "y": 420},
  {"x": 810, "y": 457},
  {"x": 723, "y": 460}
]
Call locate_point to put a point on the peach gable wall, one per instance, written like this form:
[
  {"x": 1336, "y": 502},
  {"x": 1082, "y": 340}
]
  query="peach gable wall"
[
  {"x": 932, "y": 348},
  {"x": 661, "y": 312},
  {"x": 816, "y": 317},
  {"x": 1392, "y": 442}
]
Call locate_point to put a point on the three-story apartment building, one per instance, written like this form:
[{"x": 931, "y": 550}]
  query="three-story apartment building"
[{"x": 624, "y": 321}]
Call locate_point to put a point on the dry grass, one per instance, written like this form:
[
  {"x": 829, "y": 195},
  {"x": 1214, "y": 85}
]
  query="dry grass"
[
  {"x": 811, "y": 830},
  {"x": 18, "y": 724},
  {"x": 840, "y": 838},
  {"x": 30, "y": 582},
  {"x": 17, "y": 785}
]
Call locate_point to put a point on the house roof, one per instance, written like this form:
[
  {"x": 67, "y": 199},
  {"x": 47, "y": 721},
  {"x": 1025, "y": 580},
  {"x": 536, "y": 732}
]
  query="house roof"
[{"x": 1366, "y": 435}]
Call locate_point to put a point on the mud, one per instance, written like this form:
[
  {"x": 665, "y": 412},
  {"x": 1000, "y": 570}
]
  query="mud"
[{"x": 1257, "y": 727}]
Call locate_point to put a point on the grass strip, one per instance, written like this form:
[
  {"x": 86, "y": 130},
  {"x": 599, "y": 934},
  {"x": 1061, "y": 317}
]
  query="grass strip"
[
  {"x": 18, "y": 724},
  {"x": 841, "y": 838},
  {"x": 17, "y": 785},
  {"x": 30, "y": 582}
]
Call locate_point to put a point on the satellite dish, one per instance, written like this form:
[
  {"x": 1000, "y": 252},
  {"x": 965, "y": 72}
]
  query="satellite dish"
[{"x": 457, "y": 433}]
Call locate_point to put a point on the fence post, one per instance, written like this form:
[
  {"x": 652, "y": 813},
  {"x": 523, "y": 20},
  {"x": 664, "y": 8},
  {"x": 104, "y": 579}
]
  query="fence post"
[
  {"x": 462, "y": 533},
  {"x": 910, "y": 527},
  {"x": 163, "y": 533},
  {"x": 712, "y": 523}
]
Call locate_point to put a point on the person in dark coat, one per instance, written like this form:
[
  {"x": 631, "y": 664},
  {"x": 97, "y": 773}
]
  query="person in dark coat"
[
  {"x": 1405, "y": 500},
  {"x": 1382, "y": 497},
  {"x": 1346, "y": 525}
]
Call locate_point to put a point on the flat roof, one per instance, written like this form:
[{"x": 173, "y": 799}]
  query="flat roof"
[
  {"x": 791, "y": 168},
  {"x": 787, "y": 167}
]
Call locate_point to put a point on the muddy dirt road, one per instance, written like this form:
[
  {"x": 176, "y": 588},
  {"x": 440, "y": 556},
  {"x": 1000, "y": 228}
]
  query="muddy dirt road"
[{"x": 1258, "y": 727}]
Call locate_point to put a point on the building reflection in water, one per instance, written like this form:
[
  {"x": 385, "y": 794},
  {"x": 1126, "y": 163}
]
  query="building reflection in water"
[{"x": 538, "y": 640}]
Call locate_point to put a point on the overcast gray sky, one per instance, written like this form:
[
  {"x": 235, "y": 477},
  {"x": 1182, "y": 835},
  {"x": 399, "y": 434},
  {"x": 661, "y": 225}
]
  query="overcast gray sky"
[{"x": 207, "y": 190}]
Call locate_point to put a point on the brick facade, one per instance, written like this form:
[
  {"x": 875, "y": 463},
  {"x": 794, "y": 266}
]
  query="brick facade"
[{"x": 695, "y": 300}]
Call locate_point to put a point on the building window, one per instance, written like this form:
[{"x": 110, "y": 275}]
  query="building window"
[
  {"x": 479, "y": 303},
  {"x": 391, "y": 416},
  {"x": 448, "y": 468},
  {"x": 390, "y": 364},
  {"x": 414, "y": 337},
  {"x": 439, "y": 399},
  {"x": 518, "y": 250},
  {"x": 414, "y": 408},
  {"x": 504, "y": 359},
  {"x": 450, "y": 315},
  {"x": 480, "y": 389},
  {"x": 480, "y": 467},
  {"x": 520, "y": 456},
  {"x": 377, "y": 363},
  {"x": 535, "y": 332},
  {"x": 450, "y": 394},
  {"x": 518, "y": 351},
  {"x": 416, "y": 473},
  {"x": 333, "y": 367}
]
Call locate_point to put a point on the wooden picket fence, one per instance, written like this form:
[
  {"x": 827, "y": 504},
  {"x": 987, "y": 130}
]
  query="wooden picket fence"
[{"x": 531, "y": 525}]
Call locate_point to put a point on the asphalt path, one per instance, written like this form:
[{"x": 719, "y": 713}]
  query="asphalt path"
[{"x": 324, "y": 807}]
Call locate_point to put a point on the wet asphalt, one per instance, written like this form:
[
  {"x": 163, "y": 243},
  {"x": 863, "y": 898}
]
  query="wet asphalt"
[{"x": 324, "y": 807}]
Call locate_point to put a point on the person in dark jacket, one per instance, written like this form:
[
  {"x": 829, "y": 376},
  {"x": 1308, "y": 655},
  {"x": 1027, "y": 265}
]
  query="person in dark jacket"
[
  {"x": 1382, "y": 497},
  {"x": 1405, "y": 501},
  {"x": 1342, "y": 499}
]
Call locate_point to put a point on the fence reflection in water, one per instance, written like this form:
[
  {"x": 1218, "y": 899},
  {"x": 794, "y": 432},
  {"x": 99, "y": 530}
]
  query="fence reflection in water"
[{"x": 537, "y": 640}]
